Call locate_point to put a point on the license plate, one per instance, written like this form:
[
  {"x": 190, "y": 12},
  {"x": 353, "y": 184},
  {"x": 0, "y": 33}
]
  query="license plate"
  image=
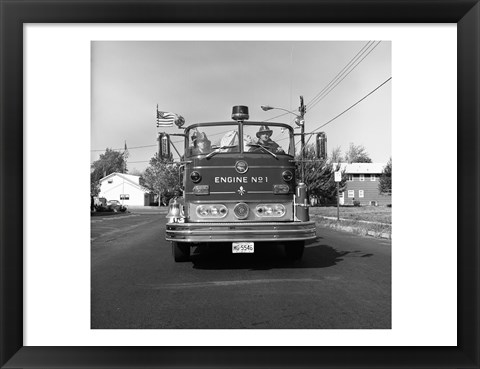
[{"x": 242, "y": 247}]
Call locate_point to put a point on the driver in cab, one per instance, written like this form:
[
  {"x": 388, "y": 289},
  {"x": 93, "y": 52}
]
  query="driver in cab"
[{"x": 264, "y": 140}]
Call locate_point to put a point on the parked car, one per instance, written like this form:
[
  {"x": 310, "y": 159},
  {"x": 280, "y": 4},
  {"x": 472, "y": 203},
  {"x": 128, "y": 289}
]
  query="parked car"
[{"x": 115, "y": 205}]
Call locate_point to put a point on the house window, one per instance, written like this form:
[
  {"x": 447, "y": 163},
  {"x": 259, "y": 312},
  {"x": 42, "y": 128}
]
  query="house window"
[
  {"x": 342, "y": 195},
  {"x": 360, "y": 193},
  {"x": 350, "y": 177},
  {"x": 351, "y": 193},
  {"x": 362, "y": 177},
  {"x": 124, "y": 197},
  {"x": 110, "y": 181},
  {"x": 373, "y": 178}
]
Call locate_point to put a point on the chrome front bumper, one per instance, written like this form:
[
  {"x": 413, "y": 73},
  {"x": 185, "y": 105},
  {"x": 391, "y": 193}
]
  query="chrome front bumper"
[{"x": 222, "y": 232}]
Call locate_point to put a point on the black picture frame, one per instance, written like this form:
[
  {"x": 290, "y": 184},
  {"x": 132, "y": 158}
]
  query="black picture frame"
[{"x": 14, "y": 14}]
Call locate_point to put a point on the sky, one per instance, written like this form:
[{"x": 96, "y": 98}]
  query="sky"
[{"x": 203, "y": 80}]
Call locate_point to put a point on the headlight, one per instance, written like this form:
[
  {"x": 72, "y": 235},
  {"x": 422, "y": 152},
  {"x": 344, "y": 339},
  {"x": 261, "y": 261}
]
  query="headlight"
[
  {"x": 212, "y": 211},
  {"x": 195, "y": 177},
  {"x": 270, "y": 210},
  {"x": 287, "y": 176}
]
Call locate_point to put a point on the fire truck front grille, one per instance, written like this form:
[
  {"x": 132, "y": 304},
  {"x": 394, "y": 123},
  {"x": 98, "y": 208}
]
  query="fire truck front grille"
[
  {"x": 265, "y": 231},
  {"x": 244, "y": 211}
]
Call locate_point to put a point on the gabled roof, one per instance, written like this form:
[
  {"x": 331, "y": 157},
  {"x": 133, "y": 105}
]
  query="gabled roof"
[
  {"x": 361, "y": 168},
  {"x": 132, "y": 179}
]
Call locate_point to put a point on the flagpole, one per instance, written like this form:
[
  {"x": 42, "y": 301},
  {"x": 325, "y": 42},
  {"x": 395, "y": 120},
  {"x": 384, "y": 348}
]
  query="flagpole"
[{"x": 164, "y": 120}]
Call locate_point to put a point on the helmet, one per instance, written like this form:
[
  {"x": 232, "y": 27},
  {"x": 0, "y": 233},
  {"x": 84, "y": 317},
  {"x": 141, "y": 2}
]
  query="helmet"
[
  {"x": 202, "y": 137},
  {"x": 263, "y": 130}
]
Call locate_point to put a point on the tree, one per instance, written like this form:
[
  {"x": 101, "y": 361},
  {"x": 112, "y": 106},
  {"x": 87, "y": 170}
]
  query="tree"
[
  {"x": 319, "y": 177},
  {"x": 162, "y": 178},
  {"x": 385, "y": 184},
  {"x": 357, "y": 154},
  {"x": 110, "y": 162},
  {"x": 336, "y": 155}
]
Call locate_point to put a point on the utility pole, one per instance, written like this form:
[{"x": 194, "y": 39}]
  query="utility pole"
[
  {"x": 302, "y": 109},
  {"x": 338, "y": 178},
  {"x": 338, "y": 201},
  {"x": 125, "y": 156}
]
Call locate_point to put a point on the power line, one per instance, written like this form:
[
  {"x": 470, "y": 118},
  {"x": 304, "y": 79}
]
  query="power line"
[
  {"x": 363, "y": 98},
  {"x": 132, "y": 148},
  {"x": 335, "y": 81},
  {"x": 328, "y": 88},
  {"x": 174, "y": 142},
  {"x": 316, "y": 129},
  {"x": 343, "y": 112},
  {"x": 129, "y": 148},
  {"x": 350, "y": 107},
  {"x": 277, "y": 116},
  {"x": 345, "y": 76},
  {"x": 351, "y": 70},
  {"x": 339, "y": 73}
]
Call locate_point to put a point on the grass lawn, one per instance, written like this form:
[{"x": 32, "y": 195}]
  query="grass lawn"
[
  {"x": 352, "y": 217},
  {"x": 380, "y": 214}
]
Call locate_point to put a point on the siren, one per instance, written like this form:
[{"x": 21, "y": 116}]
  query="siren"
[
  {"x": 164, "y": 146},
  {"x": 321, "y": 145},
  {"x": 240, "y": 113}
]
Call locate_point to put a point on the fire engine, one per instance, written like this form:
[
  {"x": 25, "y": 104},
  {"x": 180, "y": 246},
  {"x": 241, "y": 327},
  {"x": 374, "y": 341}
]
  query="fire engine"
[{"x": 238, "y": 191}]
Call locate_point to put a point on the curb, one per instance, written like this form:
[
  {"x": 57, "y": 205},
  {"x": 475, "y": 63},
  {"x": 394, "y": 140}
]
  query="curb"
[
  {"x": 353, "y": 229},
  {"x": 107, "y": 213},
  {"x": 352, "y": 220},
  {"x": 379, "y": 235}
]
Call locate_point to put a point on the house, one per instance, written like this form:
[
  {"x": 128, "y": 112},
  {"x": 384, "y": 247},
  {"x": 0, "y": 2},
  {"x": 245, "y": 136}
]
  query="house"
[
  {"x": 363, "y": 184},
  {"x": 126, "y": 188}
]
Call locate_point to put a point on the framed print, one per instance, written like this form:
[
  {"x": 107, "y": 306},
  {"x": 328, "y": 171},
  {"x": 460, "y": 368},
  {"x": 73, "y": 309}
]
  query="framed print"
[{"x": 66, "y": 68}]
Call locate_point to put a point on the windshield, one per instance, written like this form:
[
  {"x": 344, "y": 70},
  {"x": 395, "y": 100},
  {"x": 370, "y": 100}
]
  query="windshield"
[
  {"x": 257, "y": 138},
  {"x": 204, "y": 140},
  {"x": 261, "y": 138}
]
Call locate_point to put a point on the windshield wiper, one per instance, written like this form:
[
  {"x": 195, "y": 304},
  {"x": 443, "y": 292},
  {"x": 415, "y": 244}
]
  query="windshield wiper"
[
  {"x": 217, "y": 150},
  {"x": 264, "y": 148}
]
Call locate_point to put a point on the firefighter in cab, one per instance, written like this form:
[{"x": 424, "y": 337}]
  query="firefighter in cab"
[
  {"x": 202, "y": 144},
  {"x": 264, "y": 140}
]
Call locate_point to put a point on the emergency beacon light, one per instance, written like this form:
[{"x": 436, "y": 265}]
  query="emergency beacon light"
[{"x": 240, "y": 113}]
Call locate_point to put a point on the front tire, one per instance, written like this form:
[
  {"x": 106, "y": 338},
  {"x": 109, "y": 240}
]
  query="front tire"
[
  {"x": 180, "y": 251},
  {"x": 295, "y": 250}
]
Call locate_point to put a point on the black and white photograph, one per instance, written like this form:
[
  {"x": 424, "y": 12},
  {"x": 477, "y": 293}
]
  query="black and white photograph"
[
  {"x": 241, "y": 184},
  {"x": 238, "y": 161}
]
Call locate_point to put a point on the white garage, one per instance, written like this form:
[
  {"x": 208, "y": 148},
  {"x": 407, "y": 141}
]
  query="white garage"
[{"x": 126, "y": 188}]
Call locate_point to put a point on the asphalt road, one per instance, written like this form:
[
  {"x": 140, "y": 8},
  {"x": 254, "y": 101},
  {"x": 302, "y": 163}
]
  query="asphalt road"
[{"x": 343, "y": 281}]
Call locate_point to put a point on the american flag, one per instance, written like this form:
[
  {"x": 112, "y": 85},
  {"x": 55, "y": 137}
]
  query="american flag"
[{"x": 165, "y": 119}]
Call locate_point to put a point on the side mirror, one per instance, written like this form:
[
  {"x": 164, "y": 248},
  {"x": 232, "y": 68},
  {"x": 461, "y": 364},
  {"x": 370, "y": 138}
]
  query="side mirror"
[
  {"x": 164, "y": 146},
  {"x": 321, "y": 145}
]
